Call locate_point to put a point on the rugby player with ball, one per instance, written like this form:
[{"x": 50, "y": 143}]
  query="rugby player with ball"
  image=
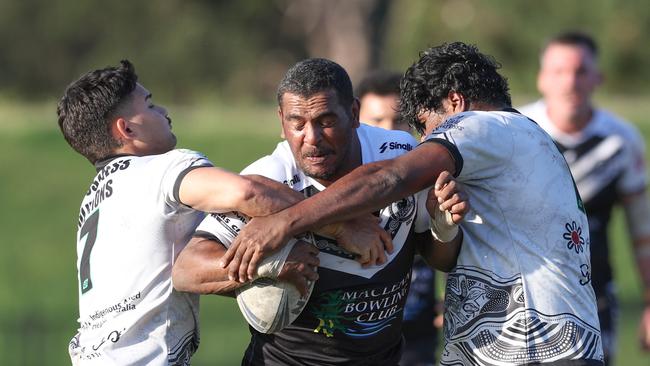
[{"x": 354, "y": 313}]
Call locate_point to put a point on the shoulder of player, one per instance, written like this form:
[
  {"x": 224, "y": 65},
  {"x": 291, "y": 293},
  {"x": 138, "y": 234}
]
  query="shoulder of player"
[
  {"x": 279, "y": 166},
  {"x": 610, "y": 123},
  {"x": 534, "y": 109},
  {"x": 377, "y": 137}
]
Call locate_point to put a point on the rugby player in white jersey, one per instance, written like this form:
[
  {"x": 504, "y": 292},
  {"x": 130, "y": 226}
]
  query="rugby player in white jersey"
[
  {"x": 606, "y": 156},
  {"x": 354, "y": 314},
  {"x": 138, "y": 213},
  {"x": 520, "y": 292}
]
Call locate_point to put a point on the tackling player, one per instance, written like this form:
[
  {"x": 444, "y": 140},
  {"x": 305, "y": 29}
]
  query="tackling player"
[
  {"x": 520, "y": 292},
  {"x": 138, "y": 213}
]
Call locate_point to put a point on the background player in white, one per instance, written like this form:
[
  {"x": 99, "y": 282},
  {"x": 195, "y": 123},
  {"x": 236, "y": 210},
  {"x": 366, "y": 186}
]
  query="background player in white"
[
  {"x": 606, "y": 157},
  {"x": 354, "y": 313},
  {"x": 378, "y": 93},
  {"x": 137, "y": 215},
  {"x": 520, "y": 292}
]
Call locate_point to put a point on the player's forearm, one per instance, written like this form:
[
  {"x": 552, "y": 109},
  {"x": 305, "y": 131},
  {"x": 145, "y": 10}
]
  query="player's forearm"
[
  {"x": 367, "y": 189},
  {"x": 642, "y": 253},
  {"x": 266, "y": 196},
  {"x": 637, "y": 212},
  {"x": 439, "y": 255},
  {"x": 195, "y": 270},
  {"x": 370, "y": 187}
]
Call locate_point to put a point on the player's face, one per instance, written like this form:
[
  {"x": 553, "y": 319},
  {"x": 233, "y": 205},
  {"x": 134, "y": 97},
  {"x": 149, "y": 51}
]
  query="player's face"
[
  {"x": 150, "y": 124},
  {"x": 568, "y": 77},
  {"x": 432, "y": 119},
  {"x": 321, "y": 133},
  {"x": 381, "y": 111}
]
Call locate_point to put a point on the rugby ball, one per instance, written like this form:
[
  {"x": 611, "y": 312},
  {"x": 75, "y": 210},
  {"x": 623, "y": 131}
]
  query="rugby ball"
[{"x": 268, "y": 304}]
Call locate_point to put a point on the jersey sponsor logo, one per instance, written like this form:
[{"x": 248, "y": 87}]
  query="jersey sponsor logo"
[
  {"x": 291, "y": 182},
  {"x": 105, "y": 172},
  {"x": 574, "y": 238},
  {"x": 360, "y": 313},
  {"x": 449, "y": 123},
  {"x": 394, "y": 146}
]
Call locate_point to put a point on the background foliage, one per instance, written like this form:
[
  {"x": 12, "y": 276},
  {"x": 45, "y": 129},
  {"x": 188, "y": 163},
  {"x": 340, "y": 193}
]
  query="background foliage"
[
  {"x": 216, "y": 64},
  {"x": 239, "y": 49}
]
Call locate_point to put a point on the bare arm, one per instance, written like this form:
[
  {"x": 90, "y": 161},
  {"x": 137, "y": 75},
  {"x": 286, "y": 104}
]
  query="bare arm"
[
  {"x": 637, "y": 212},
  {"x": 365, "y": 189},
  {"x": 212, "y": 189},
  {"x": 371, "y": 187},
  {"x": 195, "y": 269},
  {"x": 438, "y": 255}
]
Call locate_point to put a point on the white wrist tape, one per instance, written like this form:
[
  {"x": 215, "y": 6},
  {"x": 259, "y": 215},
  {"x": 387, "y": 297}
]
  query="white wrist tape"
[
  {"x": 443, "y": 227},
  {"x": 272, "y": 265}
]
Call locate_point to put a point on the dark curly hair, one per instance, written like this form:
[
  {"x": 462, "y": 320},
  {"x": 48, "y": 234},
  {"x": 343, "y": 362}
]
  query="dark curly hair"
[
  {"x": 88, "y": 104},
  {"x": 315, "y": 75},
  {"x": 456, "y": 67}
]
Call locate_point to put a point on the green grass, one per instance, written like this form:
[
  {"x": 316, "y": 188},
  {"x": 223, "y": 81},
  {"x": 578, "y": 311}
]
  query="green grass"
[{"x": 41, "y": 185}]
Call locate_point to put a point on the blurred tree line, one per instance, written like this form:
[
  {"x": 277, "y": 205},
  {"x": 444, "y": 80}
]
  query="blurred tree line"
[{"x": 190, "y": 50}]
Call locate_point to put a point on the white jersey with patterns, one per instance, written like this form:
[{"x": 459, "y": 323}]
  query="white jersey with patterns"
[
  {"x": 607, "y": 162},
  {"x": 520, "y": 292},
  {"x": 338, "y": 326},
  {"x": 131, "y": 228}
]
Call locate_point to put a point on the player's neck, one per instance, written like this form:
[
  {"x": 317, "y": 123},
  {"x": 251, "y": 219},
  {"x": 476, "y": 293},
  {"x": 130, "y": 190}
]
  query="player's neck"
[
  {"x": 571, "y": 123},
  {"x": 130, "y": 149}
]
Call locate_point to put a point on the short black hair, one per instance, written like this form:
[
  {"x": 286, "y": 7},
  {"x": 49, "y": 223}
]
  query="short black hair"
[
  {"x": 456, "y": 67},
  {"x": 88, "y": 104},
  {"x": 379, "y": 82},
  {"x": 315, "y": 75},
  {"x": 574, "y": 38}
]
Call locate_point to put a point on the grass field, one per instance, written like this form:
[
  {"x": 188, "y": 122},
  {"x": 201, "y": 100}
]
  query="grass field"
[{"x": 41, "y": 183}]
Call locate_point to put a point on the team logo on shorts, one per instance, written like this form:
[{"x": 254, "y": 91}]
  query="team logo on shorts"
[{"x": 573, "y": 236}]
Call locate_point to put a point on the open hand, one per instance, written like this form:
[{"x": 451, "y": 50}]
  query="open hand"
[
  {"x": 257, "y": 240},
  {"x": 448, "y": 196},
  {"x": 300, "y": 267},
  {"x": 364, "y": 237}
]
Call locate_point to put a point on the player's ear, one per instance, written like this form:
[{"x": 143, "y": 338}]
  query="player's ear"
[
  {"x": 281, "y": 123},
  {"x": 354, "y": 110},
  {"x": 457, "y": 102},
  {"x": 121, "y": 129}
]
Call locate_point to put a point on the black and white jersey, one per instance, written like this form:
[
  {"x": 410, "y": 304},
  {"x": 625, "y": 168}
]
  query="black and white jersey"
[
  {"x": 354, "y": 314},
  {"x": 520, "y": 292},
  {"x": 131, "y": 228},
  {"x": 607, "y": 162}
]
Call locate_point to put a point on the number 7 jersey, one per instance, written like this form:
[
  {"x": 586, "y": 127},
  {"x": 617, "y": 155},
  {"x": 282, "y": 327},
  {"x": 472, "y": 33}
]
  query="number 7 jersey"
[{"x": 131, "y": 227}]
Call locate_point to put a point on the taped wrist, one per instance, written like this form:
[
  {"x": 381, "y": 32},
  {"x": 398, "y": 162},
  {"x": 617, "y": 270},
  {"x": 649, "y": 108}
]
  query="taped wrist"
[
  {"x": 272, "y": 265},
  {"x": 443, "y": 227}
]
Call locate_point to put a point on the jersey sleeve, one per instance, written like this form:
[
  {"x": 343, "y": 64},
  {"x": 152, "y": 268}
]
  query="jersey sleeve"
[
  {"x": 634, "y": 178},
  {"x": 180, "y": 162},
  {"x": 477, "y": 147},
  {"x": 222, "y": 227}
]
